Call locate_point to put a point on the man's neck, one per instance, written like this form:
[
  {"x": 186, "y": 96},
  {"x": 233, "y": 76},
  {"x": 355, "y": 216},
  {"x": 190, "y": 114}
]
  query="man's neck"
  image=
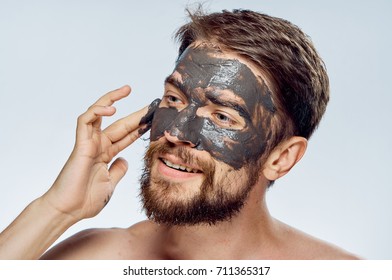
[{"x": 243, "y": 237}]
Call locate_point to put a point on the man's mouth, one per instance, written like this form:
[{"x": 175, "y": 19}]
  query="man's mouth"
[{"x": 179, "y": 167}]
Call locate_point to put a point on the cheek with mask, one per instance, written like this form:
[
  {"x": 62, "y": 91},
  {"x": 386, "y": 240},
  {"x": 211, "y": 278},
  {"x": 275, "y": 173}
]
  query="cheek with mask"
[{"x": 204, "y": 76}]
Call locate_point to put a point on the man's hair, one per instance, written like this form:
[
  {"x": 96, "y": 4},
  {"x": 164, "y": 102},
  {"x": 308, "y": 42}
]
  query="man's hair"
[{"x": 280, "y": 50}]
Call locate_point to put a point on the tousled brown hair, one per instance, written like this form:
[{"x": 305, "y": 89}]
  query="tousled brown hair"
[{"x": 279, "y": 49}]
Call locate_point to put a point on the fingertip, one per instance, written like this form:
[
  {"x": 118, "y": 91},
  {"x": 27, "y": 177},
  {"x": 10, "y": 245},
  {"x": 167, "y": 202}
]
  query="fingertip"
[
  {"x": 149, "y": 112},
  {"x": 111, "y": 110},
  {"x": 123, "y": 162},
  {"x": 127, "y": 89},
  {"x": 118, "y": 169}
]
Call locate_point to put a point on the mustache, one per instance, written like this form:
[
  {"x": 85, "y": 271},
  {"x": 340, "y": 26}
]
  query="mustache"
[{"x": 186, "y": 155}]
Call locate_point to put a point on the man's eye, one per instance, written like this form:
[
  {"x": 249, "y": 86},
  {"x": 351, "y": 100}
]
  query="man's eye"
[
  {"x": 172, "y": 100},
  {"x": 224, "y": 120}
]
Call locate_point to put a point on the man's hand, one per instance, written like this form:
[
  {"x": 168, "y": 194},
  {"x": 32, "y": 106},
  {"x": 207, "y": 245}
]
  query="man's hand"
[{"x": 87, "y": 182}]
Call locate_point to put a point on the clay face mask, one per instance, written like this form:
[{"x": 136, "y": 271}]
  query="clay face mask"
[
  {"x": 205, "y": 77},
  {"x": 147, "y": 119}
]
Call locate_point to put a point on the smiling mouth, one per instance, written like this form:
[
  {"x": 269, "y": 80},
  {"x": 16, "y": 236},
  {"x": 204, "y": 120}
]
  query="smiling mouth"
[{"x": 179, "y": 167}]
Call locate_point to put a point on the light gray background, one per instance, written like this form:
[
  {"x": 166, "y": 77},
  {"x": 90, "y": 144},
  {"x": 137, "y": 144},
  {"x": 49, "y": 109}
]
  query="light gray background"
[{"x": 58, "y": 57}]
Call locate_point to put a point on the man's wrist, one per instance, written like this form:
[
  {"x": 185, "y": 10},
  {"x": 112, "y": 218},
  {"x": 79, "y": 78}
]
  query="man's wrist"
[{"x": 54, "y": 213}]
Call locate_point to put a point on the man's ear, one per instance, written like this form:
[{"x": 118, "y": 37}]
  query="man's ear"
[{"x": 284, "y": 157}]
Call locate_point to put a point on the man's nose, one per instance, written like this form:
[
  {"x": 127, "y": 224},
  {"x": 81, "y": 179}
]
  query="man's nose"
[
  {"x": 175, "y": 140},
  {"x": 185, "y": 128}
]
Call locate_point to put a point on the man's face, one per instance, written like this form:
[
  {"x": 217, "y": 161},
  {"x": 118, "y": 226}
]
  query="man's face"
[{"x": 207, "y": 138}]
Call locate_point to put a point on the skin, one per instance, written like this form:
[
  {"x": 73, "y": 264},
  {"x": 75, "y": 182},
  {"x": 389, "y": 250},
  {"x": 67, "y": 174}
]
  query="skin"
[
  {"x": 87, "y": 181},
  {"x": 146, "y": 120},
  {"x": 202, "y": 81},
  {"x": 214, "y": 104},
  {"x": 83, "y": 186}
]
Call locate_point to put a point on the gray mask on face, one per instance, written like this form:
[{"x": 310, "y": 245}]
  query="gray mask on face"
[{"x": 204, "y": 77}]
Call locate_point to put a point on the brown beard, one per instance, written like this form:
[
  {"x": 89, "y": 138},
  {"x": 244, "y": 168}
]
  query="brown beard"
[{"x": 213, "y": 203}]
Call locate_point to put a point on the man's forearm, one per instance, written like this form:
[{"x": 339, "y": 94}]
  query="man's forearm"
[{"x": 33, "y": 231}]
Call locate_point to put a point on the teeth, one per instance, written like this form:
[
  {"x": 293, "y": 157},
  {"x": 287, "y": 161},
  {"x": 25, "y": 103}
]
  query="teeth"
[{"x": 180, "y": 167}]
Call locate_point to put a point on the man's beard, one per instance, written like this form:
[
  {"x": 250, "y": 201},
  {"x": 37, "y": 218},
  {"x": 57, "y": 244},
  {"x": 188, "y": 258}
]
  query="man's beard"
[{"x": 216, "y": 200}]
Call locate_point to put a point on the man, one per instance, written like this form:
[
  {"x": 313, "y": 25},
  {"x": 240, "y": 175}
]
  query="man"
[{"x": 247, "y": 92}]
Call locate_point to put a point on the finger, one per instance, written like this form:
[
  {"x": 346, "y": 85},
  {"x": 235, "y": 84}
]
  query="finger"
[
  {"x": 134, "y": 125},
  {"x": 113, "y": 96},
  {"x": 117, "y": 170},
  {"x": 125, "y": 126},
  {"x": 92, "y": 116},
  {"x": 124, "y": 142}
]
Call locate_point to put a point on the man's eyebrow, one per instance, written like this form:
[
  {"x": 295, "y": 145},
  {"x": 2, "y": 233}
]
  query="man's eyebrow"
[
  {"x": 175, "y": 82},
  {"x": 242, "y": 111}
]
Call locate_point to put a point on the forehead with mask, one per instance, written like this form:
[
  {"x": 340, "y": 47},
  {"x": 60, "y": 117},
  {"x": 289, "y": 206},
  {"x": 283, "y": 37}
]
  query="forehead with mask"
[{"x": 214, "y": 87}]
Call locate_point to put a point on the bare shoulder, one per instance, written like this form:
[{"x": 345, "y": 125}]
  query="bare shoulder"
[
  {"x": 109, "y": 244},
  {"x": 302, "y": 246},
  {"x": 90, "y": 244}
]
